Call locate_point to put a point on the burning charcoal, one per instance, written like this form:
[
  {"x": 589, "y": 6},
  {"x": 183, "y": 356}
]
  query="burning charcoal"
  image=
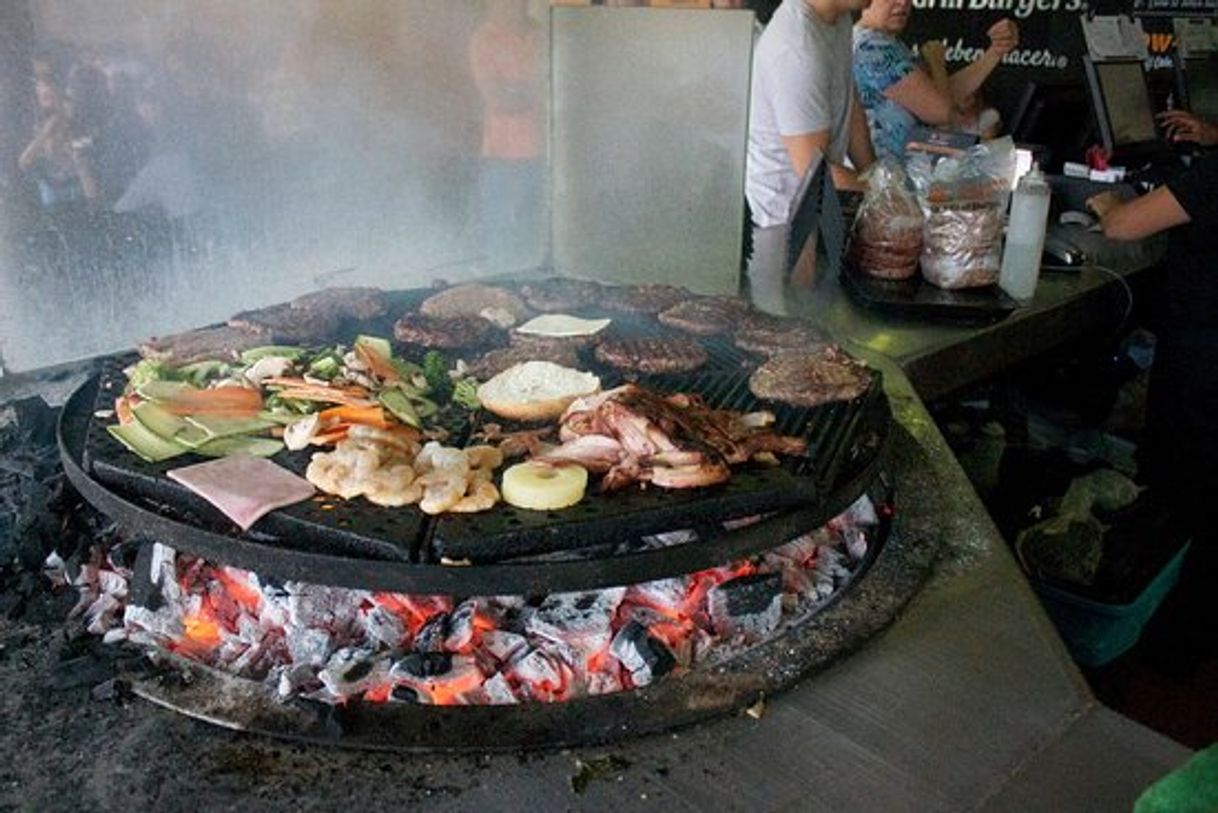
[
  {"x": 422, "y": 665},
  {"x": 382, "y": 627},
  {"x": 604, "y": 682},
  {"x": 855, "y": 539},
  {"x": 292, "y": 679},
  {"x": 351, "y": 672},
  {"x": 309, "y": 646},
  {"x": 643, "y": 656},
  {"x": 578, "y": 622},
  {"x": 663, "y": 594},
  {"x": 330, "y": 607},
  {"x": 750, "y": 606},
  {"x": 498, "y": 691},
  {"x": 433, "y": 634},
  {"x": 502, "y": 645},
  {"x": 461, "y": 630},
  {"x": 439, "y": 678},
  {"x": 540, "y": 675},
  {"x": 862, "y": 512},
  {"x": 403, "y": 694},
  {"x": 249, "y": 662},
  {"x": 55, "y": 571},
  {"x": 163, "y": 623}
]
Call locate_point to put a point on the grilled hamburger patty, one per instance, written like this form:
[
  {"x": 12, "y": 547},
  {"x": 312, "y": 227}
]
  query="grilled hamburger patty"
[
  {"x": 770, "y": 341},
  {"x": 444, "y": 333},
  {"x": 493, "y": 362},
  {"x": 705, "y": 316},
  {"x": 342, "y": 303},
  {"x": 559, "y": 294},
  {"x": 812, "y": 378},
  {"x": 550, "y": 343},
  {"x": 651, "y": 298},
  {"x": 472, "y": 300},
  {"x": 653, "y": 356},
  {"x": 223, "y": 342},
  {"x": 288, "y": 325}
]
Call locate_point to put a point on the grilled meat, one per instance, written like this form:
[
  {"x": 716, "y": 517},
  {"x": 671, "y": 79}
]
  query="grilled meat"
[
  {"x": 493, "y": 362},
  {"x": 284, "y": 324},
  {"x": 550, "y": 344},
  {"x": 651, "y": 298},
  {"x": 444, "y": 333},
  {"x": 812, "y": 378},
  {"x": 652, "y": 356},
  {"x": 342, "y": 303},
  {"x": 499, "y": 305},
  {"x": 560, "y": 294},
  {"x": 766, "y": 334},
  {"x": 223, "y": 342},
  {"x": 633, "y": 435},
  {"x": 706, "y": 316}
]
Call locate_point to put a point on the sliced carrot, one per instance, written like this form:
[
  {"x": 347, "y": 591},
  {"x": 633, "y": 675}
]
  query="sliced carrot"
[
  {"x": 327, "y": 395},
  {"x": 122, "y": 410},
  {"x": 333, "y": 435},
  {"x": 367, "y": 416},
  {"x": 228, "y": 402},
  {"x": 301, "y": 384},
  {"x": 380, "y": 366}
]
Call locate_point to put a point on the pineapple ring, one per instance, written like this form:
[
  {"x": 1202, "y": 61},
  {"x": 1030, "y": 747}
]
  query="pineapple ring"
[{"x": 542, "y": 487}]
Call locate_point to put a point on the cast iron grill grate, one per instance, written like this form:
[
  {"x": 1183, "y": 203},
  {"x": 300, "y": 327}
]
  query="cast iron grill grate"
[{"x": 844, "y": 439}]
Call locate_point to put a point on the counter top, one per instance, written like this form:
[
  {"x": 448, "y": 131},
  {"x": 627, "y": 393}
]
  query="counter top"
[{"x": 940, "y": 359}]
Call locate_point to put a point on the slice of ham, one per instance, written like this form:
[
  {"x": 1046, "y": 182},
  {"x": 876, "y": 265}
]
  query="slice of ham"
[{"x": 244, "y": 488}]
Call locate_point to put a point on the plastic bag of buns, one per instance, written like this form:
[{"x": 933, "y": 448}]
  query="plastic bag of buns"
[
  {"x": 963, "y": 199},
  {"x": 886, "y": 240}
]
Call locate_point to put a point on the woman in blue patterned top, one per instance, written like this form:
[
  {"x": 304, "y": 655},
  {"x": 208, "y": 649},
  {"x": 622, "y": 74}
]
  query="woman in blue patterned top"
[{"x": 898, "y": 93}]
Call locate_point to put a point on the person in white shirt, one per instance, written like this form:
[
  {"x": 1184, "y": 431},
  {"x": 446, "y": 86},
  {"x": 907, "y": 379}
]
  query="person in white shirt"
[{"x": 803, "y": 106}]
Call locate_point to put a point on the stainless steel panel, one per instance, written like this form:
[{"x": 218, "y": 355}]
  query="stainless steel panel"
[{"x": 650, "y": 114}]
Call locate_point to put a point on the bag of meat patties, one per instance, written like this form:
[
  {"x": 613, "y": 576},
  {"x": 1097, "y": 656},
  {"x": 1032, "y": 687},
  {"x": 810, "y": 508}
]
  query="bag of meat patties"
[
  {"x": 964, "y": 200},
  {"x": 887, "y": 236}
]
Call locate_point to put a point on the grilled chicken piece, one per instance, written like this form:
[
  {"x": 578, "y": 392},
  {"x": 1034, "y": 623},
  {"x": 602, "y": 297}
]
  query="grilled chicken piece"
[{"x": 633, "y": 435}]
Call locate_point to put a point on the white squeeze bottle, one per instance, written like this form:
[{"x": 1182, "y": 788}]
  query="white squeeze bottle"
[{"x": 1025, "y": 236}]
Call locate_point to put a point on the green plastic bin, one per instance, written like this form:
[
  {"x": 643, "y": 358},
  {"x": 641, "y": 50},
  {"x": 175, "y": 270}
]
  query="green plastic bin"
[{"x": 1096, "y": 632}]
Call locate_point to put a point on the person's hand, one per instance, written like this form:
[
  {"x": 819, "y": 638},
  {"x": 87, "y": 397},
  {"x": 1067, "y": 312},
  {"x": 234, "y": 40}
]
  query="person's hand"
[
  {"x": 1004, "y": 37},
  {"x": 1184, "y": 126},
  {"x": 933, "y": 52},
  {"x": 1103, "y": 203}
]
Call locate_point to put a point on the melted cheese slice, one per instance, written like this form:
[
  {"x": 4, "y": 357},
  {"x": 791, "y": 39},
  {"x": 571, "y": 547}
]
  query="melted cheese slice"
[{"x": 561, "y": 325}]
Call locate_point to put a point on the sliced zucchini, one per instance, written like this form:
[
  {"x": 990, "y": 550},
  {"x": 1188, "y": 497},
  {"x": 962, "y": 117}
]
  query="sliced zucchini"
[
  {"x": 240, "y": 444},
  {"x": 256, "y": 353},
  {"x": 158, "y": 420},
  {"x": 145, "y": 443}
]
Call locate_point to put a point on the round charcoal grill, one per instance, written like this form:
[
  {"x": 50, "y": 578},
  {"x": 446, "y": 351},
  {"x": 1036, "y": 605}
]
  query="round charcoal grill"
[
  {"x": 506, "y": 550},
  {"x": 607, "y": 541}
]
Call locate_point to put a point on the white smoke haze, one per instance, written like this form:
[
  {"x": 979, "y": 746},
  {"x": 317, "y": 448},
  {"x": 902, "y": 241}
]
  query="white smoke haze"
[{"x": 282, "y": 146}]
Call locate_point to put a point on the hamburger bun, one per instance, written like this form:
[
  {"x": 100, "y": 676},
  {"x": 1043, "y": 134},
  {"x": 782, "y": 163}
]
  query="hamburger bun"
[{"x": 535, "y": 390}]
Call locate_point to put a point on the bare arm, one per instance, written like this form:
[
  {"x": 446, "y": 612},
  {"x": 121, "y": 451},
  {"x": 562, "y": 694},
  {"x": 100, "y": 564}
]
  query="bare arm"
[
  {"x": 35, "y": 149},
  {"x": 918, "y": 94},
  {"x": 1004, "y": 38},
  {"x": 859, "y": 148},
  {"x": 1184, "y": 126},
  {"x": 1140, "y": 217},
  {"x": 802, "y": 148}
]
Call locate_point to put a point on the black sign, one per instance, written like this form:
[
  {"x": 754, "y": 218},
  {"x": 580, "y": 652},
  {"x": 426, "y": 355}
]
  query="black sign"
[{"x": 1176, "y": 8}]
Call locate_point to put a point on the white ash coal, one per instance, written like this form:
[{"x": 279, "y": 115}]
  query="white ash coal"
[{"x": 336, "y": 645}]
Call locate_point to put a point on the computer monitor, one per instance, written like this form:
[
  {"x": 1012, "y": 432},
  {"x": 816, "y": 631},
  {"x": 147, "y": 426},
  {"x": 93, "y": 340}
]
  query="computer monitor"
[
  {"x": 1199, "y": 85},
  {"x": 1123, "y": 110},
  {"x": 1055, "y": 119}
]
